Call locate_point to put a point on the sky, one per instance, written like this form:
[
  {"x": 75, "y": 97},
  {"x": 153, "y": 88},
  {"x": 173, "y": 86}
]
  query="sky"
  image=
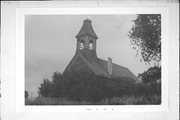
[{"x": 50, "y": 44}]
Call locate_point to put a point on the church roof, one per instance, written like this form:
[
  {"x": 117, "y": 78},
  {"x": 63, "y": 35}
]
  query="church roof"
[
  {"x": 117, "y": 70},
  {"x": 87, "y": 29},
  {"x": 99, "y": 66},
  {"x": 91, "y": 59}
]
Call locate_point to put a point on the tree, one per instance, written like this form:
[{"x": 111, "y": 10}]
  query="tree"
[
  {"x": 151, "y": 76},
  {"x": 145, "y": 37},
  {"x": 26, "y": 94},
  {"x": 45, "y": 88},
  {"x": 56, "y": 84},
  {"x": 152, "y": 79}
]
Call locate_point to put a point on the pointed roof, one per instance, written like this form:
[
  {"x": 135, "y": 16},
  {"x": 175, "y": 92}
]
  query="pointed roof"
[
  {"x": 99, "y": 66},
  {"x": 93, "y": 62},
  {"x": 87, "y": 29}
]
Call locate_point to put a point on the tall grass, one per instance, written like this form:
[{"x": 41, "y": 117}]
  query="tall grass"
[
  {"x": 125, "y": 100},
  {"x": 132, "y": 100}
]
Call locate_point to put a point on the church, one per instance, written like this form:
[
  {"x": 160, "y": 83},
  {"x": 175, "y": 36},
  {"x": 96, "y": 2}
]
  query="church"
[{"x": 86, "y": 59}]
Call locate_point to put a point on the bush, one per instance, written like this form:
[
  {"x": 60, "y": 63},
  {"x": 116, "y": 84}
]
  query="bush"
[{"x": 86, "y": 86}]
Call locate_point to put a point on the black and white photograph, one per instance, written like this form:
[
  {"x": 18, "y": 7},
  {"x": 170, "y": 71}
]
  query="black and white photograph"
[
  {"x": 89, "y": 60},
  {"x": 93, "y": 59}
]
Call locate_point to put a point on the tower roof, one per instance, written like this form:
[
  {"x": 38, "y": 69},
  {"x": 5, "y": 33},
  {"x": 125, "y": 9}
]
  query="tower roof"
[{"x": 87, "y": 29}]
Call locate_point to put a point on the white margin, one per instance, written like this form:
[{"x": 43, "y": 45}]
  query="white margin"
[{"x": 20, "y": 52}]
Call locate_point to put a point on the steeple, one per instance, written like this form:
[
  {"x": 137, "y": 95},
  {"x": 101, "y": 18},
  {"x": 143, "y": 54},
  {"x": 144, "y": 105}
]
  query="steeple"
[
  {"x": 87, "y": 29},
  {"x": 86, "y": 59},
  {"x": 86, "y": 38}
]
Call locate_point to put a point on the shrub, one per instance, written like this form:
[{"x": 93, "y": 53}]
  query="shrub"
[{"x": 86, "y": 86}]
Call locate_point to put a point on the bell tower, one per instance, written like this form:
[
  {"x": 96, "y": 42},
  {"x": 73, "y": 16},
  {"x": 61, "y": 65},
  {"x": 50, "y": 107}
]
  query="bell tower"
[{"x": 86, "y": 38}]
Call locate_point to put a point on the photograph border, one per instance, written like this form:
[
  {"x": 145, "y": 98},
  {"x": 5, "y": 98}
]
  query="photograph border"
[{"x": 20, "y": 57}]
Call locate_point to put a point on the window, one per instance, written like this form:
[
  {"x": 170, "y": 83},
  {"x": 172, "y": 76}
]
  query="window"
[
  {"x": 90, "y": 45},
  {"x": 81, "y": 45}
]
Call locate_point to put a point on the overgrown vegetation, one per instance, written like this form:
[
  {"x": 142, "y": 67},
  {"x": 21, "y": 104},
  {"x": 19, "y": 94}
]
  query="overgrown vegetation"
[
  {"x": 125, "y": 100},
  {"x": 88, "y": 88}
]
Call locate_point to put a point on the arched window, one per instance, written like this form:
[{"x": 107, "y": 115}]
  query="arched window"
[
  {"x": 90, "y": 45},
  {"x": 81, "y": 45}
]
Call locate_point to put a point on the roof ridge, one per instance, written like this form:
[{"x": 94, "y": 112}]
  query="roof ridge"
[
  {"x": 94, "y": 60},
  {"x": 85, "y": 61},
  {"x": 74, "y": 57}
]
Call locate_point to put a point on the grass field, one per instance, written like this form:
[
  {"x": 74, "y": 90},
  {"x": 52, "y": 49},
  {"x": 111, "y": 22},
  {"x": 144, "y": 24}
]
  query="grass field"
[{"x": 126, "y": 100}]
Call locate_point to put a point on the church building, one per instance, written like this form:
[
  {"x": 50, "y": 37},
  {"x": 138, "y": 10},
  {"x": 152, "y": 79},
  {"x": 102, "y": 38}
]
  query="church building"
[{"x": 86, "y": 59}]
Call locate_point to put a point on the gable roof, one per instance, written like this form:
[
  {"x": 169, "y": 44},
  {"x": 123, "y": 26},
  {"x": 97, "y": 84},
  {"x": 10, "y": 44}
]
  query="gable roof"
[
  {"x": 117, "y": 70},
  {"x": 93, "y": 62},
  {"x": 87, "y": 29},
  {"x": 99, "y": 66}
]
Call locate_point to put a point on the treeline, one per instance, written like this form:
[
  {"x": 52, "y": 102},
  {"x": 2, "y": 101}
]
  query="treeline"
[{"x": 85, "y": 86}]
